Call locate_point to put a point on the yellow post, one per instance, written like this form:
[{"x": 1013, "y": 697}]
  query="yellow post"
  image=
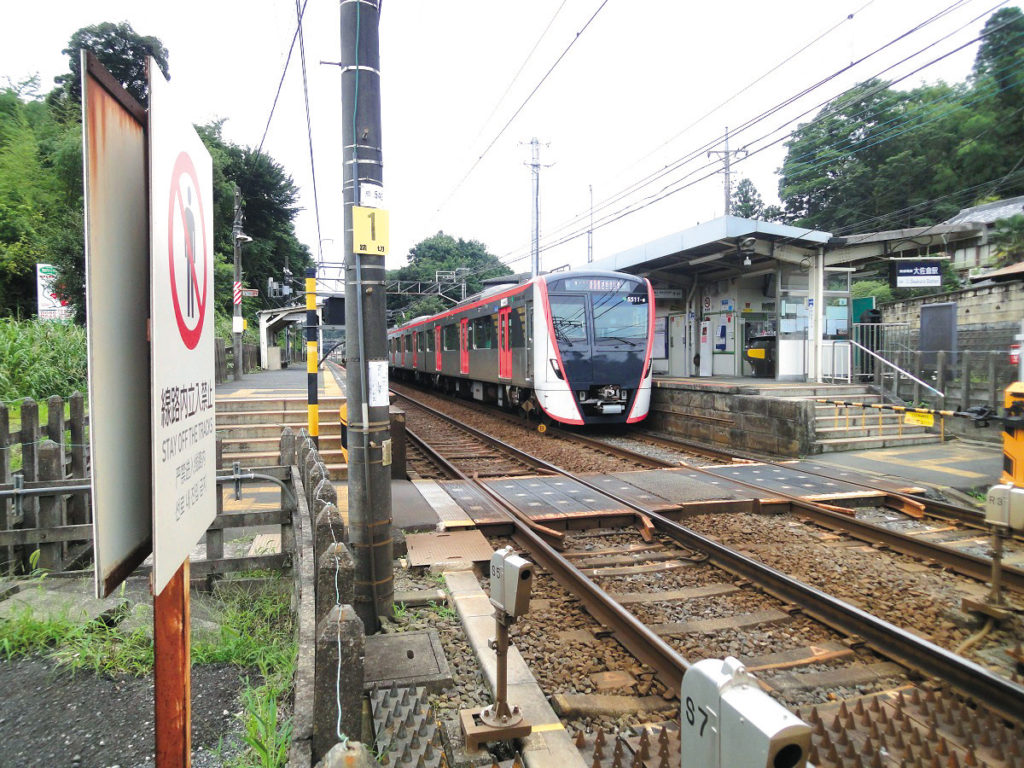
[{"x": 312, "y": 359}]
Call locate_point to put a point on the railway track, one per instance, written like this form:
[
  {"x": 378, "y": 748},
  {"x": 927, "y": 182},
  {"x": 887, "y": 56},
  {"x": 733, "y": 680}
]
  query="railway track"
[
  {"x": 951, "y": 542},
  {"x": 925, "y": 658}
]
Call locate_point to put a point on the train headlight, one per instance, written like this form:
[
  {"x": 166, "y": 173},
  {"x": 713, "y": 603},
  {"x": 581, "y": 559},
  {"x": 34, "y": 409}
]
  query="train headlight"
[{"x": 556, "y": 369}]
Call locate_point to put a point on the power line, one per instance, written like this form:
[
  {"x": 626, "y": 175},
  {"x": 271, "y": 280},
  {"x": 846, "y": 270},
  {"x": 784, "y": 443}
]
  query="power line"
[
  {"x": 693, "y": 155},
  {"x": 280, "y": 83},
  {"x": 689, "y": 157},
  {"x": 309, "y": 131},
  {"x": 522, "y": 106}
]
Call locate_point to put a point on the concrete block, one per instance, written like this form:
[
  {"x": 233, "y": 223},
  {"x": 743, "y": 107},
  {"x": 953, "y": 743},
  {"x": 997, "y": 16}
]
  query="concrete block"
[
  {"x": 339, "y": 646},
  {"x": 328, "y": 529},
  {"x": 350, "y": 755},
  {"x": 335, "y": 576},
  {"x": 399, "y": 547},
  {"x": 406, "y": 659},
  {"x": 287, "y": 448}
]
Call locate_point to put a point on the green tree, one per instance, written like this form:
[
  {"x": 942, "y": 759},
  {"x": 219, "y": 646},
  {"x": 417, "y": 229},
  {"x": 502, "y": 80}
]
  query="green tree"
[
  {"x": 122, "y": 50},
  {"x": 1008, "y": 240},
  {"x": 1001, "y": 54},
  {"x": 746, "y": 200},
  {"x": 443, "y": 252}
]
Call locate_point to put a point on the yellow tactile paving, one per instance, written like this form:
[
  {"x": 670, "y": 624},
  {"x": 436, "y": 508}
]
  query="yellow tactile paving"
[
  {"x": 939, "y": 465},
  {"x": 255, "y": 498}
]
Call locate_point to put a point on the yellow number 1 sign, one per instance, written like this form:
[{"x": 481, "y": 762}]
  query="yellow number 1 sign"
[{"x": 369, "y": 230}]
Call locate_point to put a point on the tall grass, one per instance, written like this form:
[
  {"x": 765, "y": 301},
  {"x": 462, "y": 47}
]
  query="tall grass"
[{"x": 41, "y": 358}]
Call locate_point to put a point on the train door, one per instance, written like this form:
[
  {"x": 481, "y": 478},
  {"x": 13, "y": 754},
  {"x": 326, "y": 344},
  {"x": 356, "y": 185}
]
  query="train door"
[
  {"x": 504, "y": 344},
  {"x": 464, "y": 345},
  {"x": 437, "y": 348},
  {"x": 415, "y": 348},
  {"x": 677, "y": 346},
  {"x": 529, "y": 340}
]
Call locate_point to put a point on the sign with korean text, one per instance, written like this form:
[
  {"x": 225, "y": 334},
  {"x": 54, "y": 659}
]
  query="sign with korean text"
[
  {"x": 369, "y": 231},
  {"x": 916, "y": 274},
  {"x": 181, "y": 311}
]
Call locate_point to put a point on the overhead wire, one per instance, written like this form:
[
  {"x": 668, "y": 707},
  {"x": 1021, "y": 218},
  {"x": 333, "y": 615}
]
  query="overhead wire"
[
  {"x": 696, "y": 153},
  {"x": 522, "y": 106},
  {"x": 280, "y": 83},
  {"x": 632, "y": 207},
  {"x": 309, "y": 132}
]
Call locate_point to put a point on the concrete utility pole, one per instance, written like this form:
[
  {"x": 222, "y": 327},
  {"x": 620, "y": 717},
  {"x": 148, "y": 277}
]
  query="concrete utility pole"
[
  {"x": 590, "y": 232},
  {"x": 236, "y": 320},
  {"x": 369, "y": 437},
  {"x": 535, "y": 238},
  {"x": 727, "y": 170}
]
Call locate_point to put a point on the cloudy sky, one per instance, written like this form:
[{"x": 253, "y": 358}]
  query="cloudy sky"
[{"x": 640, "y": 88}]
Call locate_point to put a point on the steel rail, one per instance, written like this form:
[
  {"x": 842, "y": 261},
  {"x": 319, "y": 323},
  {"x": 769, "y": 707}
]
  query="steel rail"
[
  {"x": 557, "y": 536},
  {"x": 1004, "y": 696},
  {"x": 964, "y": 563},
  {"x": 914, "y": 652}
]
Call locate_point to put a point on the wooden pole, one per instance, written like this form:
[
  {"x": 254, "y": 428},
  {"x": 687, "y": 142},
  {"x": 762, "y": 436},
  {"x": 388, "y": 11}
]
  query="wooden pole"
[{"x": 172, "y": 672}]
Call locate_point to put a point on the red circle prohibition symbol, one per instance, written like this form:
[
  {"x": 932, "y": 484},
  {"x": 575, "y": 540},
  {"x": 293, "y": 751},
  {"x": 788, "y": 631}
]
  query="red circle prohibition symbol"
[{"x": 193, "y": 240}]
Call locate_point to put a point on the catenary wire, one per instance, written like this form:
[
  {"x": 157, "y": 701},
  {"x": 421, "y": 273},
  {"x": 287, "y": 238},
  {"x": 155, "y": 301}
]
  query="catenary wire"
[
  {"x": 522, "y": 106},
  {"x": 309, "y": 132}
]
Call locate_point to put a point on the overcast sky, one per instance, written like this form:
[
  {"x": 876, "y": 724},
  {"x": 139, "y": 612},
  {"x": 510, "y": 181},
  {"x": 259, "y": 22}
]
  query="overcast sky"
[{"x": 640, "y": 89}]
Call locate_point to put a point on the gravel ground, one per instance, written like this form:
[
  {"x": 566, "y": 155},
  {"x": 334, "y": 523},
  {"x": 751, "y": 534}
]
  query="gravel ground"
[
  {"x": 550, "y": 448},
  {"x": 889, "y": 585},
  {"x": 48, "y": 717}
]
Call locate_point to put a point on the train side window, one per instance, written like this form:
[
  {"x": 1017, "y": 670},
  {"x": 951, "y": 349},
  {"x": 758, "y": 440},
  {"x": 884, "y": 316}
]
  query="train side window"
[
  {"x": 428, "y": 339},
  {"x": 517, "y": 328},
  {"x": 450, "y": 337},
  {"x": 483, "y": 332},
  {"x": 420, "y": 338}
]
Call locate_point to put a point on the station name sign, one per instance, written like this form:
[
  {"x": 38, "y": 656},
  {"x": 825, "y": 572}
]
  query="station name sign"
[{"x": 915, "y": 274}]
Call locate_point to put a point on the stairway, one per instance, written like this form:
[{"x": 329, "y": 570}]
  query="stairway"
[
  {"x": 852, "y": 429},
  {"x": 250, "y": 430}
]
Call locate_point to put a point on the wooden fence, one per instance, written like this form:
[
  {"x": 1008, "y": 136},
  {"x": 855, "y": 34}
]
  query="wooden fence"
[
  {"x": 224, "y": 359},
  {"x": 45, "y": 499},
  {"x": 36, "y": 456}
]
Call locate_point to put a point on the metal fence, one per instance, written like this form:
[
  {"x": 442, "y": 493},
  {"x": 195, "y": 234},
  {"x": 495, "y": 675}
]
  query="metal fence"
[{"x": 887, "y": 356}]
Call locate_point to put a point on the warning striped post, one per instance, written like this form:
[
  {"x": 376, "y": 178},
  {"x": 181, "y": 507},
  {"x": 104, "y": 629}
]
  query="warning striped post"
[
  {"x": 312, "y": 362},
  {"x": 237, "y": 293}
]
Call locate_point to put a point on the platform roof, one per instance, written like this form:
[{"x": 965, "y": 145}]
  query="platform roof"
[{"x": 678, "y": 252}]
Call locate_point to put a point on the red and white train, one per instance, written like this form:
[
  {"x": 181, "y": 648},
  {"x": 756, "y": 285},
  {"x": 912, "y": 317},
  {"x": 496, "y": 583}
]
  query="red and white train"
[{"x": 569, "y": 347}]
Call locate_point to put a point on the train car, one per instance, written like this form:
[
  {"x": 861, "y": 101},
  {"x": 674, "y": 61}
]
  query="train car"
[{"x": 567, "y": 347}]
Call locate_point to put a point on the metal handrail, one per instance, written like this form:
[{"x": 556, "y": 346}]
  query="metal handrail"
[{"x": 896, "y": 368}]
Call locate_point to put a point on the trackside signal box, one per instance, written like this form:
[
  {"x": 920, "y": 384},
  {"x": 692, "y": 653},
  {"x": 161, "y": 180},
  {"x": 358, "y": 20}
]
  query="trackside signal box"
[{"x": 727, "y": 721}]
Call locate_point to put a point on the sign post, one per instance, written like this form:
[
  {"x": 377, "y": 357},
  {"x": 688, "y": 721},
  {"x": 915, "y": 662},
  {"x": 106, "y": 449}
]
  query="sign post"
[{"x": 182, "y": 396}]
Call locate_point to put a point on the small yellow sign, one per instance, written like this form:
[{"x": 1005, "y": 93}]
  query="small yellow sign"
[
  {"x": 756, "y": 352},
  {"x": 369, "y": 230},
  {"x": 921, "y": 419}
]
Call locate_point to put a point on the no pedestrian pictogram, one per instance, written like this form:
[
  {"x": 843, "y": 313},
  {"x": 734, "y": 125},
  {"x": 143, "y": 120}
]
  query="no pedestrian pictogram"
[{"x": 186, "y": 250}]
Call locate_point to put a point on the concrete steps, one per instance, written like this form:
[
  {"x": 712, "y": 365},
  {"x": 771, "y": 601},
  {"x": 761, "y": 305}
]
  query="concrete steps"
[
  {"x": 250, "y": 430},
  {"x": 852, "y": 429}
]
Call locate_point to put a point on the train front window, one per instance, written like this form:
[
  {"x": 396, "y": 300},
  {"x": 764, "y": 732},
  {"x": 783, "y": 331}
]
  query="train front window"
[
  {"x": 569, "y": 319},
  {"x": 620, "y": 317}
]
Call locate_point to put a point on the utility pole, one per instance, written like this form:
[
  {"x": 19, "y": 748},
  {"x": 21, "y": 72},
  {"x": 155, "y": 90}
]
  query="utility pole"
[
  {"x": 236, "y": 321},
  {"x": 535, "y": 233},
  {"x": 590, "y": 232},
  {"x": 727, "y": 170},
  {"x": 366, "y": 369}
]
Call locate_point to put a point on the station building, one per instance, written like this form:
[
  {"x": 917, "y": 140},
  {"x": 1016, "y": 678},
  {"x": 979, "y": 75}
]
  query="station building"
[{"x": 754, "y": 320}]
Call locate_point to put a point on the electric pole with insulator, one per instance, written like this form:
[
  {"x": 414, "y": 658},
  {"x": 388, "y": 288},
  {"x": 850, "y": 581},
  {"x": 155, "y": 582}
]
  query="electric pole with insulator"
[
  {"x": 366, "y": 237},
  {"x": 727, "y": 169}
]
